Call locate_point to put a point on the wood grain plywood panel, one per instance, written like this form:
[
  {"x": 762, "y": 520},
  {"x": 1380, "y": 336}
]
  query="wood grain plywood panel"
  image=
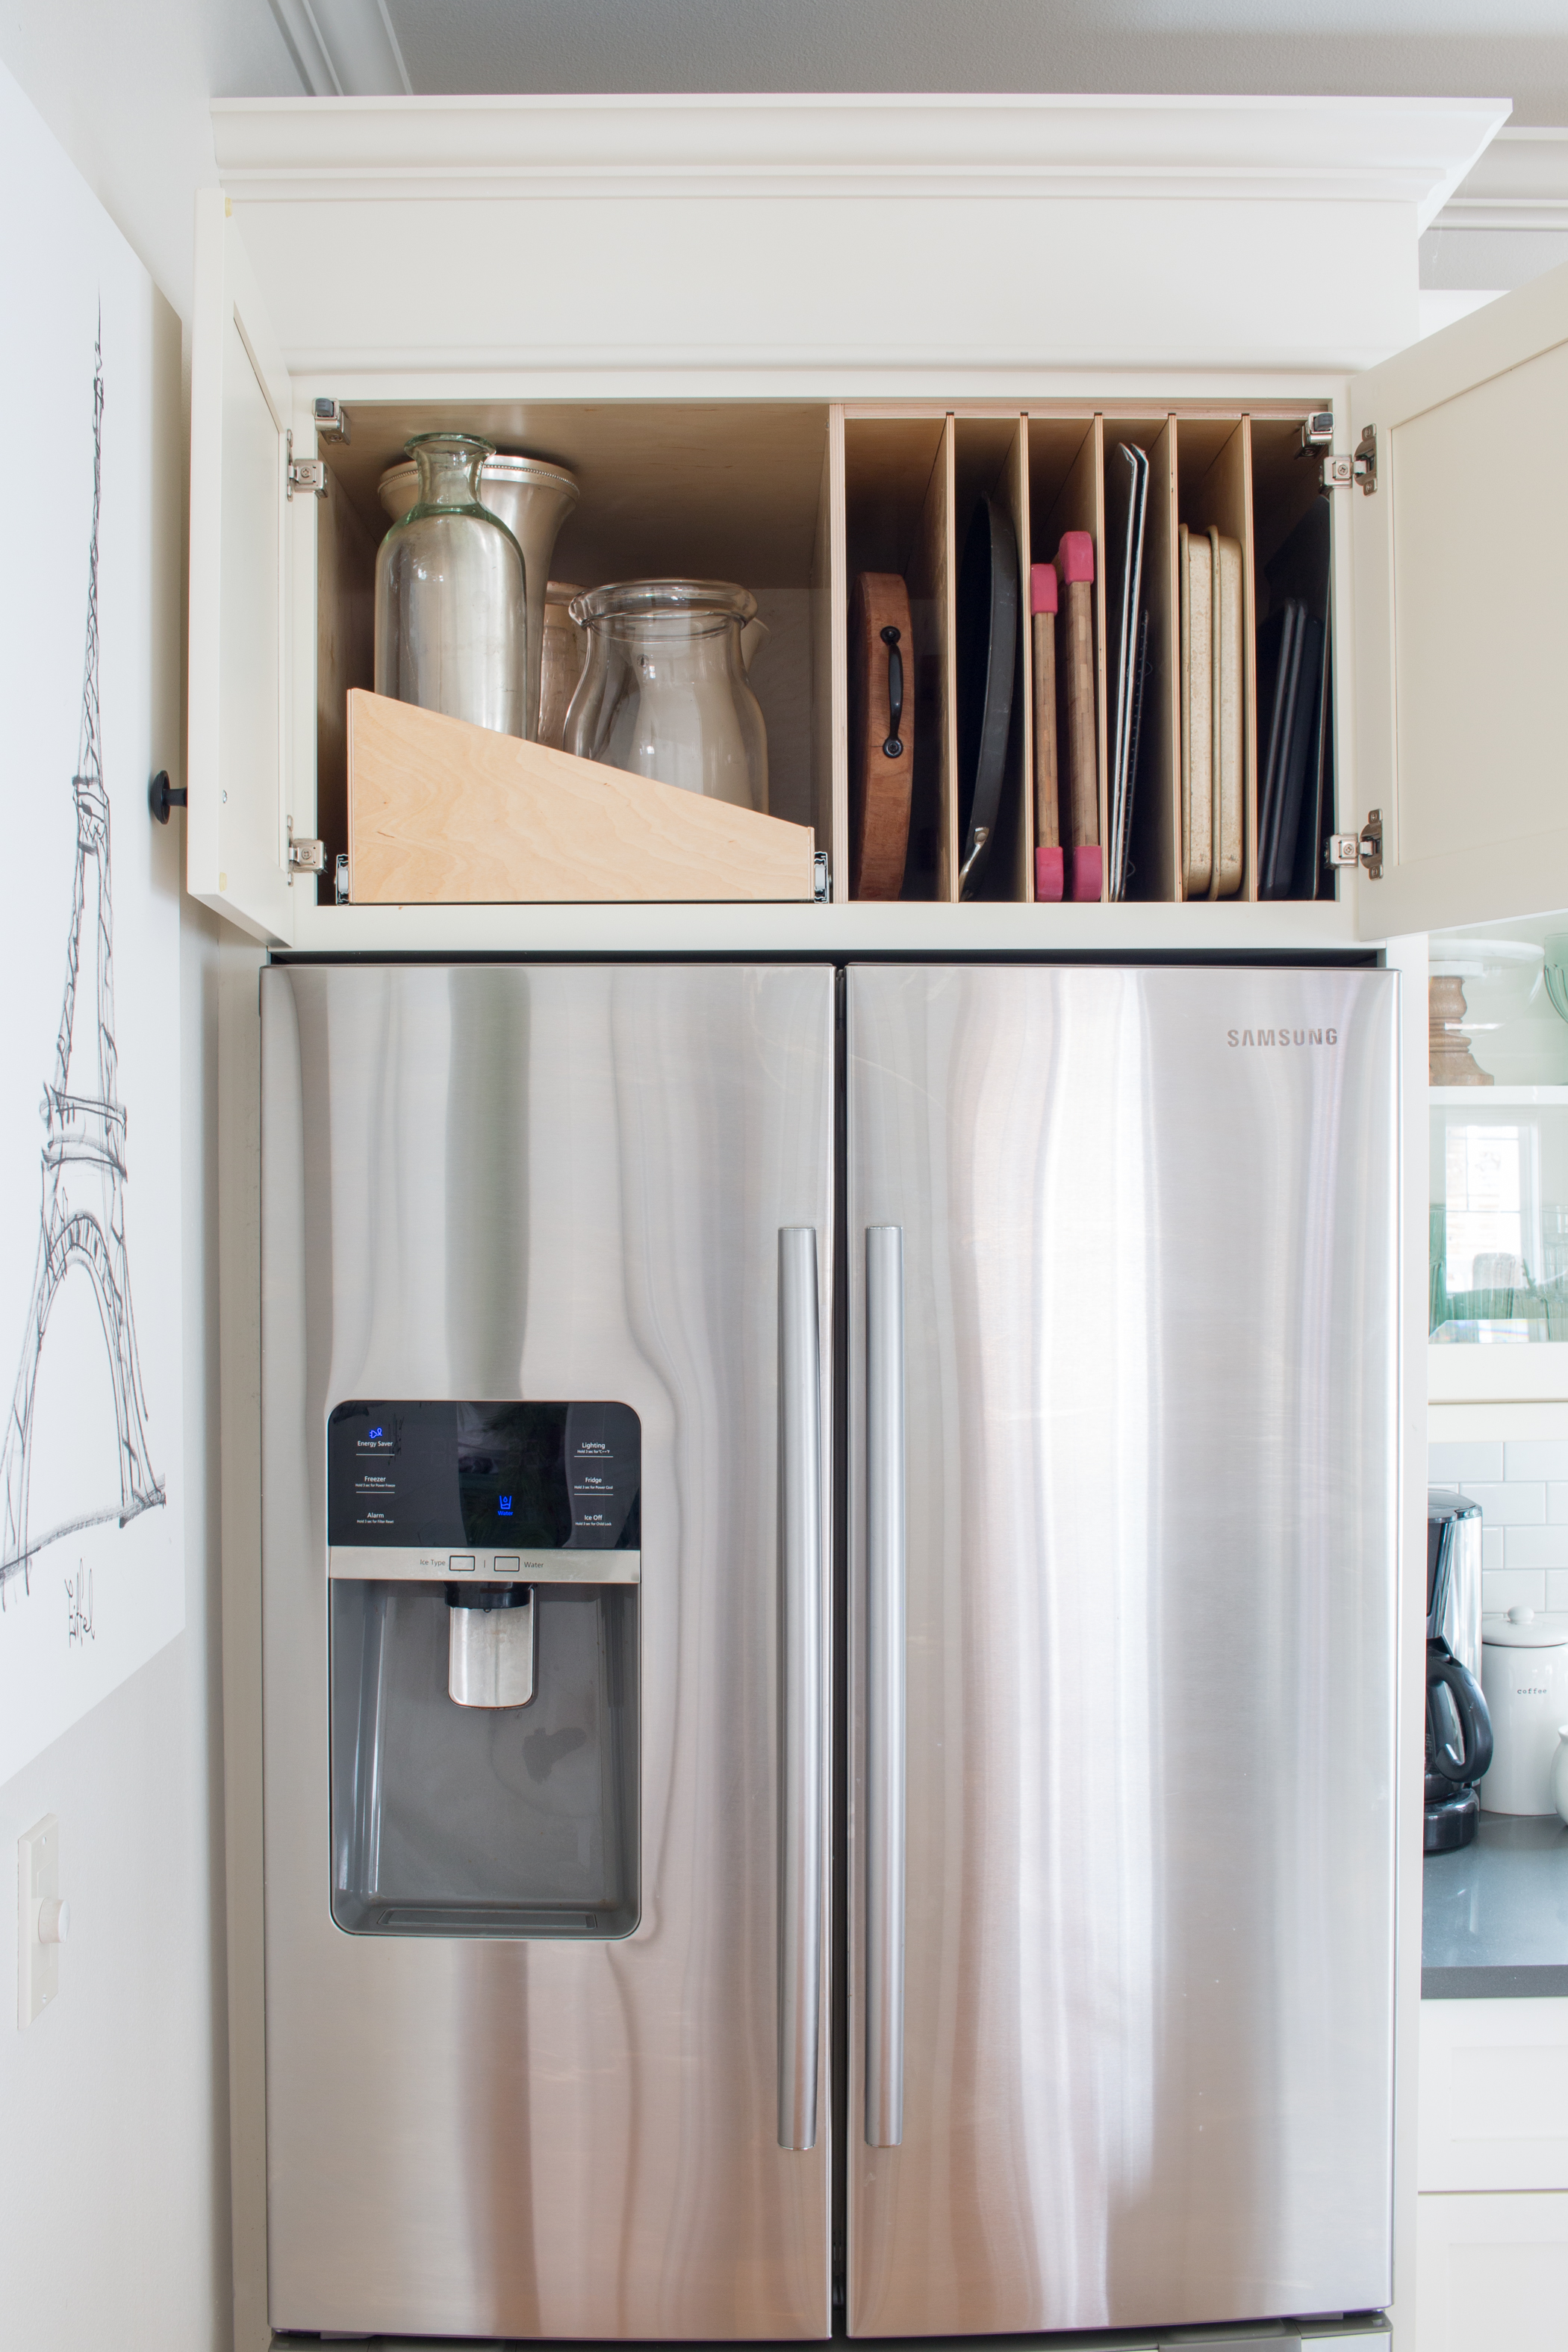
[
  {"x": 698, "y": 490},
  {"x": 829, "y": 666},
  {"x": 441, "y": 812}
]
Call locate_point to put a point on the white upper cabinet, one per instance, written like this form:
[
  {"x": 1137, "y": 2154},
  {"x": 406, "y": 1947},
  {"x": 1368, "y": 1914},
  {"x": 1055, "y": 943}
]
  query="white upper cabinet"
[
  {"x": 1461, "y": 619},
  {"x": 1052, "y": 274},
  {"x": 237, "y": 833}
]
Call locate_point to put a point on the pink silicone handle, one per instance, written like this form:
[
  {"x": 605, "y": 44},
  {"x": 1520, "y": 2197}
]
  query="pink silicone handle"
[
  {"x": 1048, "y": 875},
  {"x": 1084, "y": 873},
  {"x": 1042, "y": 588},
  {"x": 1075, "y": 556}
]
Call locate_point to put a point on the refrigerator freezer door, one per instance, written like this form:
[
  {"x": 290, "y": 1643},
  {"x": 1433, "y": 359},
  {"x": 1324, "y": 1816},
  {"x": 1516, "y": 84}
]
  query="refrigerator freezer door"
[
  {"x": 1149, "y": 1253},
  {"x": 558, "y": 1182}
]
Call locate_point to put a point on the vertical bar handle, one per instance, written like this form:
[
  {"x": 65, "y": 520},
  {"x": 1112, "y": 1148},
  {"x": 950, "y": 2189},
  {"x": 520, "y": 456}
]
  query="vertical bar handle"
[
  {"x": 800, "y": 1688},
  {"x": 884, "y": 1686}
]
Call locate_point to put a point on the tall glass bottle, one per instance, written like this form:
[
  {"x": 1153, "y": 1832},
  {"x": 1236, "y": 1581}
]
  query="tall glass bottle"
[{"x": 451, "y": 607}]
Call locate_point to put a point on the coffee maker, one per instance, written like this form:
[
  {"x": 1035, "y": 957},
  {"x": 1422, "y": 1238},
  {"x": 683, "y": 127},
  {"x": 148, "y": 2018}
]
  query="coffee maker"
[{"x": 1459, "y": 1728}]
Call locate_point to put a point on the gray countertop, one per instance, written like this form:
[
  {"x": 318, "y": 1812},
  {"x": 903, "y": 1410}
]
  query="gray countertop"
[{"x": 1495, "y": 1914}]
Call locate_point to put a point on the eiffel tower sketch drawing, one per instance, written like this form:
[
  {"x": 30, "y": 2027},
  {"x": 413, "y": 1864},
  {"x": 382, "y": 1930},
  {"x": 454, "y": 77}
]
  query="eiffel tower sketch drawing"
[{"x": 82, "y": 1220}]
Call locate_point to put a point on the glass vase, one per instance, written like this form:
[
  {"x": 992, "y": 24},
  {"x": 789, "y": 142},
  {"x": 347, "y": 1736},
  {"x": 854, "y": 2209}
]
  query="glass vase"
[
  {"x": 451, "y": 608},
  {"x": 663, "y": 691}
]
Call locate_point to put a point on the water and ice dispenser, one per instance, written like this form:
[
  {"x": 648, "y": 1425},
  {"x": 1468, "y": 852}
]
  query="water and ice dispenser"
[{"x": 485, "y": 1563}]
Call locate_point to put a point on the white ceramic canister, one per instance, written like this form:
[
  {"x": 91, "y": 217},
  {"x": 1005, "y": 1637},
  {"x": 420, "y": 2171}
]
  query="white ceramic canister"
[{"x": 1524, "y": 1674}]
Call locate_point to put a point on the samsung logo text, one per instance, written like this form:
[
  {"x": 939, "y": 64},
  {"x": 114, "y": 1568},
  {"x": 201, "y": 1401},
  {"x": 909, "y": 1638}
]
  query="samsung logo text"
[{"x": 1281, "y": 1036}]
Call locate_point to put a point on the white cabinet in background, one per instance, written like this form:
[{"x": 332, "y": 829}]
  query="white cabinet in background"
[
  {"x": 1494, "y": 2096},
  {"x": 511, "y": 261},
  {"x": 1493, "y": 2274}
]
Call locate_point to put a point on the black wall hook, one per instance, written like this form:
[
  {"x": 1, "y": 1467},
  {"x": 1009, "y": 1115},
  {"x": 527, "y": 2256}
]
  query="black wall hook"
[{"x": 163, "y": 795}]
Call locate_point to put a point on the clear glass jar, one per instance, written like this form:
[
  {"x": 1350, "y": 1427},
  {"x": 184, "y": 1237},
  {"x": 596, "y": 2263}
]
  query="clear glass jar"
[
  {"x": 663, "y": 691},
  {"x": 451, "y": 608}
]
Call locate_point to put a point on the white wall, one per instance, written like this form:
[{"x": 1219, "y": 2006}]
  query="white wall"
[{"x": 114, "y": 2216}]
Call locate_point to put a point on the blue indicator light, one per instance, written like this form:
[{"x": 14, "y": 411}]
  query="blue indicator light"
[
  {"x": 504, "y": 1507},
  {"x": 375, "y": 1433}
]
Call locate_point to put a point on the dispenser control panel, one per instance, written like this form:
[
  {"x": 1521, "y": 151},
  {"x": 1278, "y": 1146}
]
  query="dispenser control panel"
[{"x": 549, "y": 1493}]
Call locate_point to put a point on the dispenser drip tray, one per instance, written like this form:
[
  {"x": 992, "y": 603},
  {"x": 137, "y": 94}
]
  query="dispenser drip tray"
[{"x": 484, "y": 1755}]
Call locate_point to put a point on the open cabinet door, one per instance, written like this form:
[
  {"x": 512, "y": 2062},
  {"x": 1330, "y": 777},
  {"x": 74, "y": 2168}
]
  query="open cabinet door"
[
  {"x": 1461, "y": 637},
  {"x": 237, "y": 838}
]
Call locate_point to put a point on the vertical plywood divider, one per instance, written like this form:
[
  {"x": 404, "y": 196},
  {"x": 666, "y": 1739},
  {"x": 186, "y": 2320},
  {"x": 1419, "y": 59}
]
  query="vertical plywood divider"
[
  {"x": 1018, "y": 852},
  {"x": 1224, "y": 497},
  {"x": 1157, "y": 803},
  {"x": 1098, "y": 459},
  {"x": 1017, "y": 488},
  {"x": 830, "y": 665},
  {"x": 947, "y": 837},
  {"x": 1248, "y": 666},
  {"x": 933, "y": 594}
]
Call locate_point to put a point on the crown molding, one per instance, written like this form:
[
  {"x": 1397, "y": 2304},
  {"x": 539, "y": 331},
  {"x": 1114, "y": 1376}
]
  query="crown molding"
[
  {"x": 1519, "y": 183},
  {"x": 1412, "y": 152}
]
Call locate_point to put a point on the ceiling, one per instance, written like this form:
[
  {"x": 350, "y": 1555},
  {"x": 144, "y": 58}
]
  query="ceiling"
[{"x": 1516, "y": 48}]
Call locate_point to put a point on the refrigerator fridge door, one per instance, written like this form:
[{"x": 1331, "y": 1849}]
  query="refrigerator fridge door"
[
  {"x": 1121, "y": 1251},
  {"x": 546, "y": 2023}
]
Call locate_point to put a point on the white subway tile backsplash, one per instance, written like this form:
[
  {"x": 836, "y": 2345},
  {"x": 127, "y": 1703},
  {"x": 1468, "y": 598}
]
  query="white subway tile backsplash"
[
  {"x": 1557, "y": 1587},
  {"x": 1536, "y": 1547},
  {"x": 1447, "y": 1464},
  {"x": 1513, "y": 1503},
  {"x": 1557, "y": 1503},
  {"x": 1513, "y": 1587},
  {"x": 1536, "y": 1458},
  {"x": 1491, "y": 1549}
]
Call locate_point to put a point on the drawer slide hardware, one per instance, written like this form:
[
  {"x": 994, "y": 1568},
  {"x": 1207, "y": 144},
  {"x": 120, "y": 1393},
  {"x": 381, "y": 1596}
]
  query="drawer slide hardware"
[
  {"x": 341, "y": 878},
  {"x": 819, "y": 868},
  {"x": 1339, "y": 473},
  {"x": 1364, "y": 849}
]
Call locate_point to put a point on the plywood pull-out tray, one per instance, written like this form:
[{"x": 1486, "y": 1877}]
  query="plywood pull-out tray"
[{"x": 443, "y": 814}]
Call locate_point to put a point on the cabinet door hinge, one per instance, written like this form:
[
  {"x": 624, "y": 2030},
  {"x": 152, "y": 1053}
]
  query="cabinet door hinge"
[
  {"x": 332, "y": 420},
  {"x": 1363, "y": 848},
  {"x": 1339, "y": 473},
  {"x": 306, "y": 856},
  {"x": 303, "y": 473}
]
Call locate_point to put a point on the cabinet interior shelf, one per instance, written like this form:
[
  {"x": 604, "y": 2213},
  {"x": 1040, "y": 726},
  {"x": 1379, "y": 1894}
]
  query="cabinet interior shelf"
[{"x": 792, "y": 499}]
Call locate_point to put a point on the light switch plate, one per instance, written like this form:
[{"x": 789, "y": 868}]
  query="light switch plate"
[{"x": 38, "y": 1883}]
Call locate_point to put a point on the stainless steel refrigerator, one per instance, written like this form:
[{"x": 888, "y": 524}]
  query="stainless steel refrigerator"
[{"x": 677, "y": 1374}]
